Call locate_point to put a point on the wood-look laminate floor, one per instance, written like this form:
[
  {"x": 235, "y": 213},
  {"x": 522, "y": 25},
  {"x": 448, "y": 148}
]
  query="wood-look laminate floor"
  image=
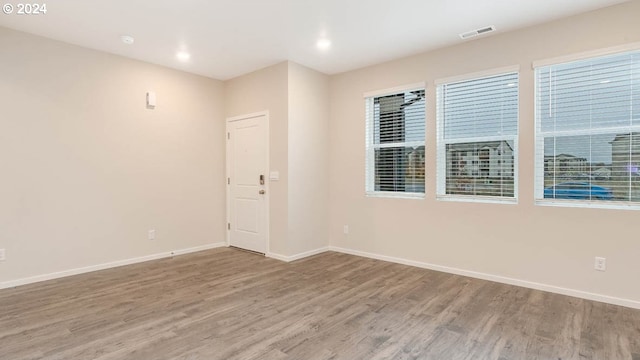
[{"x": 229, "y": 304}]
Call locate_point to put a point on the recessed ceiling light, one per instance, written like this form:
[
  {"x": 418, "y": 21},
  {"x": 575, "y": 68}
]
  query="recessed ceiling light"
[
  {"x": 183, "y": 56},
  {"x": 605, "y": 81},
  {"x": 127, "y": 39},
  {"x": 323, "y": 44},
  {"x": 511, "y": 84}
]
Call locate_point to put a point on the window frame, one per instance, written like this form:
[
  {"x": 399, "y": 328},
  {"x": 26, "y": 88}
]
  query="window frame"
[
  {"x": 441, "y": 142},
  {"x": 370, "y": 146},
  {"x": 539, "y": 165}
]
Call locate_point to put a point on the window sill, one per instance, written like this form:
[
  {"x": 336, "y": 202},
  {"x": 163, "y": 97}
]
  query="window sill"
[
  {"x": 615, "y": 205},
  {"x": 478, "y": 199},
  {"x": 394, "y": 195}
]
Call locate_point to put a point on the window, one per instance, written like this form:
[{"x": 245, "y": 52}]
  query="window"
[
  {"x": 588, "y": 131},
  {"x": 477, "y": 138},
  {"x": 395, "y": 136}
]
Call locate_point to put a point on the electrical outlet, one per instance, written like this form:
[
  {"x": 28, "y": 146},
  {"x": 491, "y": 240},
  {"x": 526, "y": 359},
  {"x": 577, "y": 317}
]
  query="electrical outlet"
[
  {"x": 152, "y": 234},
  {"x": 2, "y": 254},
  {"x": 600, "y": 264},
  {"x": 346, "y": 229}
]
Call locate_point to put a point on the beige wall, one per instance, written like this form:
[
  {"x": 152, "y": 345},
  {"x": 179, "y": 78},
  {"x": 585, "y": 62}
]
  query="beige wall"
[
  {"x": 87, "y": 169},
  {"x": 297, "y": 100},
  {"x": 548, "y": 245},
  {"x": 266, "y": 89},
  {"x": 308, "y": 159}
]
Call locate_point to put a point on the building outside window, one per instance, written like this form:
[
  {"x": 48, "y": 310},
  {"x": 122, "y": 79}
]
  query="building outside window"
[
  {"x": 477, "y": 137},
  {"x": 588, "y": 131},
  {"x": 395, "y": 138}
]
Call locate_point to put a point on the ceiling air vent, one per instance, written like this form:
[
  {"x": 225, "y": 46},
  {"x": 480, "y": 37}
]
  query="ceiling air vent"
[{"x": 473, "y": 33}]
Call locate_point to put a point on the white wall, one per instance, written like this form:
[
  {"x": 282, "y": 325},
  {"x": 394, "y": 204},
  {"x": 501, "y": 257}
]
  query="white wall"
[
  {"x": 297, "y": 100},
  {"x": 308, "y": 159},
  {"x": 548, "y": 245},
  {"x": 267, "y": 89},
  {"x": 87, "y": 169}
]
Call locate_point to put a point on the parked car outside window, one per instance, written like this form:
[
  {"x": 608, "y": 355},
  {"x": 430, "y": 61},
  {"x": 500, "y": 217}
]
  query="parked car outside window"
[{"x": 578, "y": 191}]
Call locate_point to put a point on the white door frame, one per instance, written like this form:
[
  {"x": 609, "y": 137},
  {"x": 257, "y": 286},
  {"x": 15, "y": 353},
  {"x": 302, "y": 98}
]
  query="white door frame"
[{"x": 267, "y": 180}]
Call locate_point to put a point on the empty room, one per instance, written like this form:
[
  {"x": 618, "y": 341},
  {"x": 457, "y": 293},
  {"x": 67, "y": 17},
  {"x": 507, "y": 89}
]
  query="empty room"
[{"x": 315, "y": 180}]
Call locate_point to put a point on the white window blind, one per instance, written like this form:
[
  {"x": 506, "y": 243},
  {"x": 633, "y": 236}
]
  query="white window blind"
[
  {"x": 588, "y": 131},
  {"x": 395, "y": 136},
  {"x": 477, "y": 138}
]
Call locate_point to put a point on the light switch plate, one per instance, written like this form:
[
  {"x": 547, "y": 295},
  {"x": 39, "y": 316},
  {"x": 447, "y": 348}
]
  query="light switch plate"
[{"x": 274, "y": 175}]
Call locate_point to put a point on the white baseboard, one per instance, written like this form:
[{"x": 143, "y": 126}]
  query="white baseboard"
[
  {"x": 109, "y": 265},
  {"x": 496, "y": 278},
  {"x": 474, "y": 274},
  {"x": 297, "y": 256}
]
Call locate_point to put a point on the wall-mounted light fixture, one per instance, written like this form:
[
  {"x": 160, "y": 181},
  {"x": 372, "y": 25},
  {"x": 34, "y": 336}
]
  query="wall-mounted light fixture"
[{"x": 151, "y": 99}]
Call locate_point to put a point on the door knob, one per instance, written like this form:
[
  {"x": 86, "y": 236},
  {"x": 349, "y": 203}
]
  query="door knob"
[{"x": 261, "y": 192}]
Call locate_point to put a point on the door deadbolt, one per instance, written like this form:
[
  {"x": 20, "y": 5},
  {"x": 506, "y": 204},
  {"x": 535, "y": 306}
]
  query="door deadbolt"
[{"x": 261, "y": 179}]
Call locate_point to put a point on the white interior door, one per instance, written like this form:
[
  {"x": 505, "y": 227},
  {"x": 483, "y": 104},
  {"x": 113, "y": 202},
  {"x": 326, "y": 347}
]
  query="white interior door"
[{"x": 247, "y": 182}]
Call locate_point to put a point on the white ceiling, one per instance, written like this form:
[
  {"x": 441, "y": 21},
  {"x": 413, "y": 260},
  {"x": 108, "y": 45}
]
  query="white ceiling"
[{"x": 227, "y": 38}]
